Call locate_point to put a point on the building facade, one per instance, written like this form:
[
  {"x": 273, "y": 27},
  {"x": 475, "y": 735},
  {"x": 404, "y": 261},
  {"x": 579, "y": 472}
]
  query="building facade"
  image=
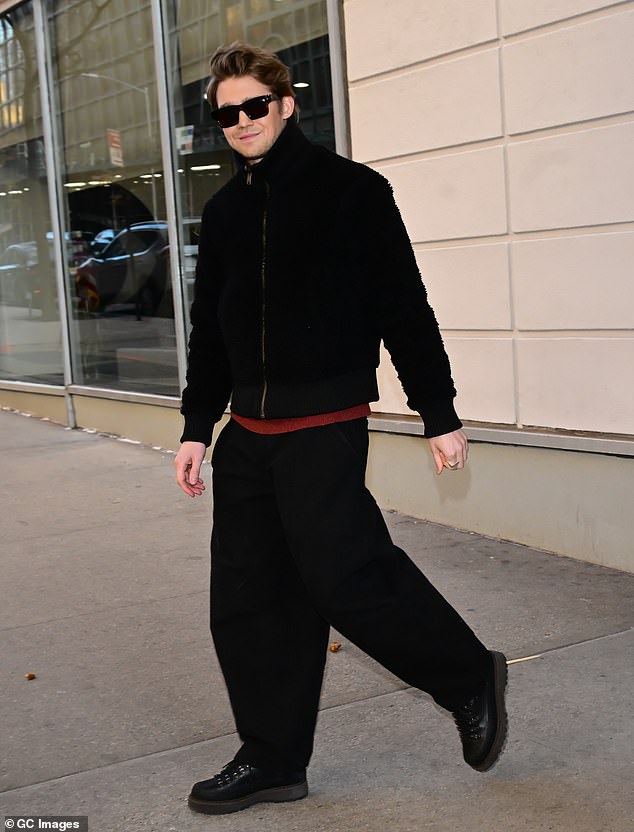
[{"x": 505, "y": 128}]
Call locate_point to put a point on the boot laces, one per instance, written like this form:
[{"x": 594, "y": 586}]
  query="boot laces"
[
  {"x": 231, "y": 772},
  {"x": 467, "y": 721}
]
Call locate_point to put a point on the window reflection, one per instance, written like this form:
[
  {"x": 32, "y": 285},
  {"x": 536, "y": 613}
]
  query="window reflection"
[
  {"x": 30, "y": 330},
  {"x": 117, "y": 253}
]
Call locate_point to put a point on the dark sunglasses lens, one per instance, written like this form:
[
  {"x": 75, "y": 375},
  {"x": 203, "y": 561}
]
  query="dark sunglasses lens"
[
  {"x": 230, "y": 116},
  {"x": 227, "y": 116},
  {"x": 256, "y": 107}
]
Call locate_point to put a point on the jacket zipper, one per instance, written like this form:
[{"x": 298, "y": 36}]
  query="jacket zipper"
[
  {"x": 263, "y": 281},
  {"x": 263, "y": 278}
]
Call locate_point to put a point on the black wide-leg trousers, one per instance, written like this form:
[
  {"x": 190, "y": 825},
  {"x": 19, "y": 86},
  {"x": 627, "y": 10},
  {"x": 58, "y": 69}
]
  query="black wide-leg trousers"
[{"x": 298, "y": 544}]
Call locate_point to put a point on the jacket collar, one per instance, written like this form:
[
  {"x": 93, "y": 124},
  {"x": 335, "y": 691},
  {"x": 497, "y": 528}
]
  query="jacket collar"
[{"x": 283, "y": 158}]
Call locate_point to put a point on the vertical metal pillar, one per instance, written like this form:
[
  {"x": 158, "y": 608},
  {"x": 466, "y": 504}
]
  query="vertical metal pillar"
[
  {"x": 336, "y": 40},
  {"x": 55, "y": 196},
  {"x": 164, "y": 92}
]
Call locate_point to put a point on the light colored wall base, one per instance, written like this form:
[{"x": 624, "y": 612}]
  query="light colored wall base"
[
  {"x": 46, "y": 406},
  {"x": 570, "y": 503},
  {"x": 147, "y": 423},
  {"x": 161, "y": 426}
]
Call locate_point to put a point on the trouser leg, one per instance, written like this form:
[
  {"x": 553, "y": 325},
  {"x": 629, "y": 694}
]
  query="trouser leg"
[
  {"x": 362, "y": 583},
  {"x": 270, "y": 640}
]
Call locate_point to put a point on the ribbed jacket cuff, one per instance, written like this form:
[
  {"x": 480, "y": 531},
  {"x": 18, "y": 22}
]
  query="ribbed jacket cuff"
[
  {"x": 199, "y": 427},
  {"x": 440, "y": 418}
]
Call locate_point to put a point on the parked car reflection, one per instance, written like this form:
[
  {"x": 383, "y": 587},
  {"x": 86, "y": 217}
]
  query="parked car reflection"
[
  {"x": 102, "y": 239},
  {"x": 131, "y": 274},
  {"x": 17, "y": 268}
]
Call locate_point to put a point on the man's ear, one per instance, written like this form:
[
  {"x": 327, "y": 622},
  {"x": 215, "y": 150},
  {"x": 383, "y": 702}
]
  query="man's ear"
[{"x": 288, "y": 106}]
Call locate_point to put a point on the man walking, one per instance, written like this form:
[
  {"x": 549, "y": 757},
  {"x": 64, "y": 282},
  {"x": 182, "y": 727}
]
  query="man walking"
[{"x": 304, "y": 265}]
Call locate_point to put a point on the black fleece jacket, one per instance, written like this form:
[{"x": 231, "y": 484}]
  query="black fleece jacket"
[{"x": 304, "y": 265}]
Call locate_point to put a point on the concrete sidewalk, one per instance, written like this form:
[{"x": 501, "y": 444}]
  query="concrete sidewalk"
[{"x": 104, "y": 571}]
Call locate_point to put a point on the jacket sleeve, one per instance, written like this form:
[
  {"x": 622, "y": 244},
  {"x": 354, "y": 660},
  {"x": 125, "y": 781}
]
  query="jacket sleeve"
[
  {"x": 406, "y": 322},
  {"x": 208, "y": 374}
]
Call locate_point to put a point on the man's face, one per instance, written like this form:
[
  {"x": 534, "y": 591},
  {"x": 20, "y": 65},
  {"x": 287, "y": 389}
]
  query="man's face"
[{"x": 253, "y": 138}]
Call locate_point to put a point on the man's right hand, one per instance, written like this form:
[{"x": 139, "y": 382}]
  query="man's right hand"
[{"x": 188, "y": 461}]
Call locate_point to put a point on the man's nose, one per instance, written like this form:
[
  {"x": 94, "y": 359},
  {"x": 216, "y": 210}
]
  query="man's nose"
[{"x": 244, "y": 120}]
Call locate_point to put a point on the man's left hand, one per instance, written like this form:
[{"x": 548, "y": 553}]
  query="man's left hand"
[{"x": 449, "y": 450}]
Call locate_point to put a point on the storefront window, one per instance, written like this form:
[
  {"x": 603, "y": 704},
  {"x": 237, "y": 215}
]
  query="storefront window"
[
  {"x": 115, "y": 222},
  {"x": 30, "y": 329},
  {"x": 296, "y": 30},
  {"x": 109, "y": 171}
]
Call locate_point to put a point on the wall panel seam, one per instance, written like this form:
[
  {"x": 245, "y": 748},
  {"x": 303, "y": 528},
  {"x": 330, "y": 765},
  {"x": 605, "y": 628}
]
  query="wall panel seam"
[
  {"x": 507, "y": 213},
  {"x": 436, "y": 152},
  {"x": 529, "y": 234},
  {"x": 577, "y": 334},
  {"x": 524, "y": 236},
  {"x": 434, "y": 60},
  {"x": 565, "y": 129},
  {"x": 569, "y": 22}
]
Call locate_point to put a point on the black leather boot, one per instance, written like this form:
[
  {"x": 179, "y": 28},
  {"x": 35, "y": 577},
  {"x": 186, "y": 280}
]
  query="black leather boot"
[
  {"x": 482, "y": 721},
  {"x": 241, "y": 784}
]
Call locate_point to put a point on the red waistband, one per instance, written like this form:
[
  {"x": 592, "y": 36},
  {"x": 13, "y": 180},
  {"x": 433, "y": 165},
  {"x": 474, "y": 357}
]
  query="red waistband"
[{"x": 301, "y": 422}]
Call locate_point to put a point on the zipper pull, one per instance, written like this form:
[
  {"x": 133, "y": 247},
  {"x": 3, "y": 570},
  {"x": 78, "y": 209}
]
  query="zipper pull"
[{"x": 249, "y": 173}]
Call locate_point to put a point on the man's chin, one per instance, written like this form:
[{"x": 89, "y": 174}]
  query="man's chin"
[{"x": 251, "y": 158}]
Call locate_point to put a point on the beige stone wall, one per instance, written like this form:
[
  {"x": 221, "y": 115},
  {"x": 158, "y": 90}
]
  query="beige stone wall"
[{"x": 506, "y": 129}]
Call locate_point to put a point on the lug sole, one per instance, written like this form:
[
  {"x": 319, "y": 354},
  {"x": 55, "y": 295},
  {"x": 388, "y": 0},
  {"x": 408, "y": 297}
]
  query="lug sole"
[
  {"x": 500, "y": 671},
  {"x": 278, "y": 794}
]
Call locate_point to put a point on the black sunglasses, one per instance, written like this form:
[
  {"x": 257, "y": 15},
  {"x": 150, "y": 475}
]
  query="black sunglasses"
[{"x": 257, "y": 107}]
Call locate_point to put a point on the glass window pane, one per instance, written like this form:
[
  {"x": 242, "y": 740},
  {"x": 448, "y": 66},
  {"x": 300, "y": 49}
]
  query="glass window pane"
[
  {"x": 296, "y": 30},
  {"x": 30, "y": 329},
  {"x": 118, "y": 270}
]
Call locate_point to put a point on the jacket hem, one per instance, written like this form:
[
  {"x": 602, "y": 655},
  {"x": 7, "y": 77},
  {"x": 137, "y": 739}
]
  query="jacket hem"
[{"x": 307, "y": 398}]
